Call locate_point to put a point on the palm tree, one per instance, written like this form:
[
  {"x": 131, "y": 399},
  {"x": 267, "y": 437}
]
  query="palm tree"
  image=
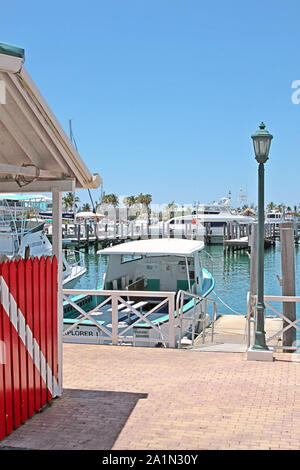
[
  {"x": 140, "y": 199},
  {"x": 70, "y": 201},
  {"x": 86, "y": 207},
  {"x": 129, "y": 201},
  {"x": 172, "y": 206},
  {"x": 66, "y": 201},
  {"x": 110, "y": 199},
  {"x": 281, "y": 207},
  {"x": 271, "y": 207},
  {"x": 145, "y": 200}
]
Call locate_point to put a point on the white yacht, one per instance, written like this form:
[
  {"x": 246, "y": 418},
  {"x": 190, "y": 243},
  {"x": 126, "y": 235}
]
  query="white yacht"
[
  {"x": 274, "y": 217},
  {"x": 212, "y": 217}
]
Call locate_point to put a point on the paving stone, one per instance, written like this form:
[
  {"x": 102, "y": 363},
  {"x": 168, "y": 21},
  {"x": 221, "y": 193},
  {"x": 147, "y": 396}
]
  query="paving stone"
[{"x": 151, "y": 398}]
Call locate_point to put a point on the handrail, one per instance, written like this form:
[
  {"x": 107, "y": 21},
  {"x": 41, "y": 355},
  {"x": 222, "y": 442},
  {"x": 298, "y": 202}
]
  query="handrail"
[
  {"x": 80, "y": 262},
  {"x": 118, "y": 296},
  {"x": 142, "y": 278},
  {"x": 211, "y": 259},
  {"x": 251, "y": 317},
  {"x": 179, "y": 313}
]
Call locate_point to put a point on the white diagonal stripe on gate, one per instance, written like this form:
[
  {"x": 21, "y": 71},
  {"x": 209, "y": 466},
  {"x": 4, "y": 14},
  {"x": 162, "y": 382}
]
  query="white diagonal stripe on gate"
[{"x": 9, "y": 305}]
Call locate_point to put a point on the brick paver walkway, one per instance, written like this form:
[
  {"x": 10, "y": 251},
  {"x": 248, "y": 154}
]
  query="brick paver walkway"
[{"x": 148, "y": 398}]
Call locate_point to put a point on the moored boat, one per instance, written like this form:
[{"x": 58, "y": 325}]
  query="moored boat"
[{"x": 150, "y": 267}]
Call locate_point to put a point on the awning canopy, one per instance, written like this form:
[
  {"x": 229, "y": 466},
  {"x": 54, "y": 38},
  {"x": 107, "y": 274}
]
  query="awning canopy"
[
  {"x": 35, "y": 152},
  {"x": 155, "y": 246},
  {"x": 88, "y": 215}
]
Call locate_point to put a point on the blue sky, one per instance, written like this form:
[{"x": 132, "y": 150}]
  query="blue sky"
[{"x": 165, "y": 94}]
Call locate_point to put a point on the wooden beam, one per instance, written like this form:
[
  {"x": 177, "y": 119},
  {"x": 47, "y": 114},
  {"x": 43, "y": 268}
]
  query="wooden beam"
[
  {"x": 23, "y": 105},
  {"x": 50, "y": 124},
  {"x": 57, "y": 251},
  {"x": 10, "y": 64},
  {"x": 13, "y": 128},
  {"x": 27, "y": 171},
  {"x": 46, "y": 186},
  {"x": 32, "y": 104}
]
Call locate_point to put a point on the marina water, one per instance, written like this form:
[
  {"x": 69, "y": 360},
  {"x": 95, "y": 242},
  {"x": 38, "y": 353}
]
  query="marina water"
[{"x": 231, "y": 273}]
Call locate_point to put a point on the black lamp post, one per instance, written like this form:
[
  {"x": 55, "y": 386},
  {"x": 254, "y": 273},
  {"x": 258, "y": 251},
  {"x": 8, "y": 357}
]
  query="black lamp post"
[{"x": 261, "y": 142}]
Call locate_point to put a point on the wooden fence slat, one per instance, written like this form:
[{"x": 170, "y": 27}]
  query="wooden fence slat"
[
  {"x": 43, "y": 331},
  {"x": 29, "y": 337},
  {"x": 2, "y": 360},
  {"x": 36, "y": 332},
  {"x": 54, "y": 318},
  {"x": 8, "y": 391},
  {"x": 48, "y": 301},
  {"x": 18, "y": 293},
  {"x": 15, "y": 350}
]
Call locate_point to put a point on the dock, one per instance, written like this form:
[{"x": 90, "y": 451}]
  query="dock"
[
  {"x": 230, "y": 334},
  {"x": 238, "y": 236},
  {"x": 83, "y": 236},
  {"x": 235, "y": 236}
]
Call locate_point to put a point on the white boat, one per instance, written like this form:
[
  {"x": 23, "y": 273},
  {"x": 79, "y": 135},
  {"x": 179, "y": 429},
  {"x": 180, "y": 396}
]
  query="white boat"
[
  {"x": 277, "y": 218},
  {"x": 274, "y": 218},
  {"x": 151, "y": 266},
  {"x": 24, "y": 237},
  {"x": 209, "y": 216},
  {"x": 29, "y": 239}
]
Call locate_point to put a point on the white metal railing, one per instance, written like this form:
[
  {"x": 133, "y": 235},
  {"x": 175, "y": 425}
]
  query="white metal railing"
[
  {"x": 74, "y": 258},
  {"x": 198, "y": 315},
  {"x": 287, "y": 323},
  {"x": 111, "y": 334},
  {"x": 124, "y": 230}
]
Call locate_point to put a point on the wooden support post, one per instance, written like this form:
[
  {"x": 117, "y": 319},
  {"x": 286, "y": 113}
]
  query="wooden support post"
[
  {"x": 114, "y": 320},
  {"x": 78, "y": 236},
  {"x": 87, "y": 236},
  {"x": 57, "y": 251},
  {"x": 171, "y": 321},
  {"x": 288, "y": 279}
]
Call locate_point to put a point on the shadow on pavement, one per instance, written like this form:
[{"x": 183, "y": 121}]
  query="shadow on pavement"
[{"x": 80, "y": 419}]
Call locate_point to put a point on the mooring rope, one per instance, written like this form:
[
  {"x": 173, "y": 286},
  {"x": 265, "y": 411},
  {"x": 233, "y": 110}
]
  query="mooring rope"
[{"x": 222, "y": 301}]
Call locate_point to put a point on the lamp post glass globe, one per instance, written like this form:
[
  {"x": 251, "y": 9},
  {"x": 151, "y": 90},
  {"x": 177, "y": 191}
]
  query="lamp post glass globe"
[{"x": 261, "y": 142}]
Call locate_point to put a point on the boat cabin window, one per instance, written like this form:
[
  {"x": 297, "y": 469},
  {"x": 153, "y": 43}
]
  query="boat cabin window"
[{"x": 128, "y": 258}]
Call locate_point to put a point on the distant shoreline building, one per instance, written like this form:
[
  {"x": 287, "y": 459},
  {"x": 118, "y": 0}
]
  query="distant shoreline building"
[{"x": 17, "y": 204}]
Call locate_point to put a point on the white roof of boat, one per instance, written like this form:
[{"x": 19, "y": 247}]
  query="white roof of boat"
[{"x": 156, "y": 246}]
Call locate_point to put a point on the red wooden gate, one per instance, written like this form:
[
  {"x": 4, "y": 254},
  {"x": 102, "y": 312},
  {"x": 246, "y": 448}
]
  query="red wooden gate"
[{"x": 28, "y": 339}]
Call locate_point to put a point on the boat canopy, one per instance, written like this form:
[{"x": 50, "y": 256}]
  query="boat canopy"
[{"x": 156, "y": 246}]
